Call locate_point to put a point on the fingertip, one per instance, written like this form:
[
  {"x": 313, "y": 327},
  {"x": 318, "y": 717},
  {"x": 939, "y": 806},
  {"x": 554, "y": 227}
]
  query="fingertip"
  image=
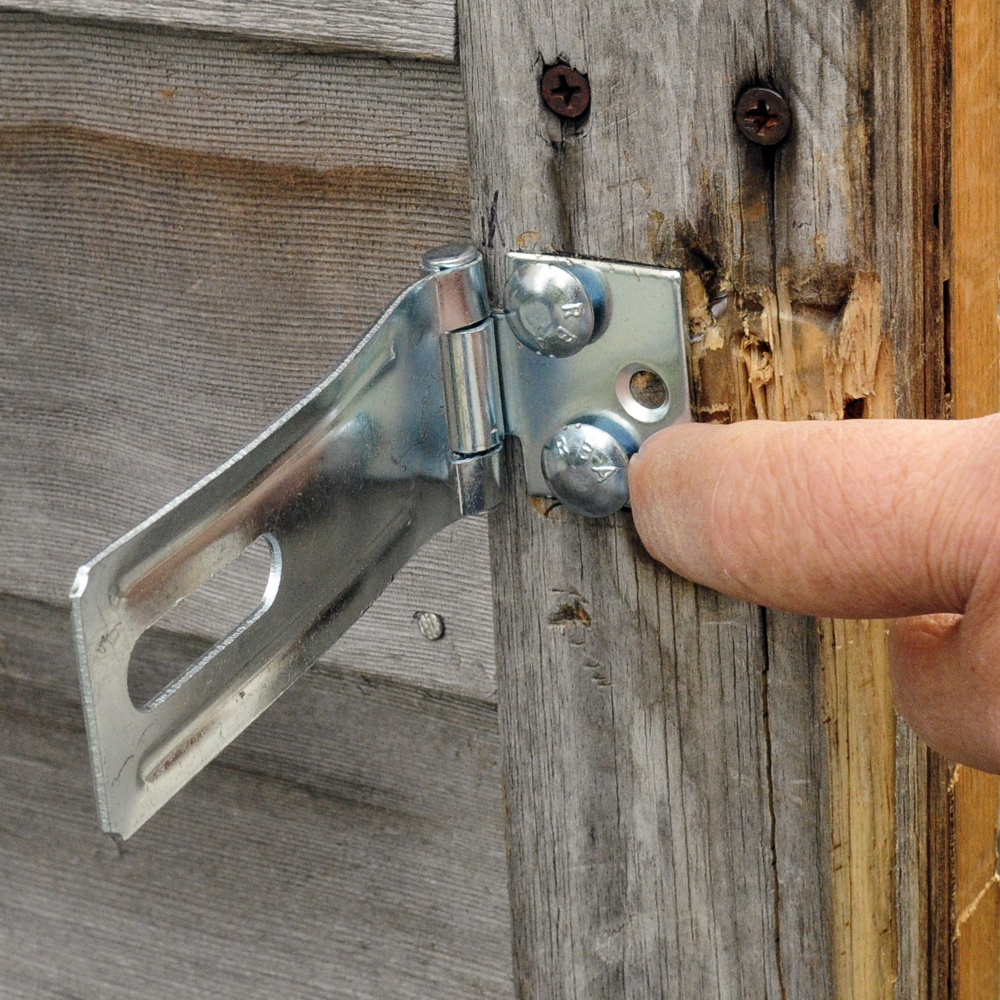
[{"x": 666, "y": 504}]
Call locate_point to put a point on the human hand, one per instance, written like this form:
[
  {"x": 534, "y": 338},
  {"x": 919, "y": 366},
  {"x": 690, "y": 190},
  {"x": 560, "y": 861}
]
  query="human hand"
[{"x": 854, "y": 519}]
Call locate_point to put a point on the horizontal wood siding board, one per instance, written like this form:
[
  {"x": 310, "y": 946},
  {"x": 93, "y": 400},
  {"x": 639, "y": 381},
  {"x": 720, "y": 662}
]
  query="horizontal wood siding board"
[
  {"x": 327, "y": 732},
  {"x": 191, "y": 236},
  {"x": 231, "y": 98},
  {"x": 387, "y": 881},
  {"x": 424, "y": 29}
]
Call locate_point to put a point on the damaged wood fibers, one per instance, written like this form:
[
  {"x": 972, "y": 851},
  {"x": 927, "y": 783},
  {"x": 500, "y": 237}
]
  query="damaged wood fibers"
[{"x": 785, "y": 359}]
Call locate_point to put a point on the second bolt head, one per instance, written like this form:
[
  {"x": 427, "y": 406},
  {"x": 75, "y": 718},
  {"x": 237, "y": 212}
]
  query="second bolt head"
[
  {"x": 586, "y": 469},
  {"x": 549, "y": 309}
]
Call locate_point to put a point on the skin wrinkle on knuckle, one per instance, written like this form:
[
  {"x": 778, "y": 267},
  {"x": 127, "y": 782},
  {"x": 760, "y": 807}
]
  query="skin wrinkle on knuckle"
[
  {"x": 961, "y": 533},
  {"x": 943, "y": 527},
  {"x": 979, "y": 556},
  {"x": 985, "y": 592},
  {"x": 787, "y": 487}
]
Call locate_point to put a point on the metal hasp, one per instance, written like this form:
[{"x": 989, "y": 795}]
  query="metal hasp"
[
  {"x": 402, "y": 439},
  {"x": 593, "y": 361}
]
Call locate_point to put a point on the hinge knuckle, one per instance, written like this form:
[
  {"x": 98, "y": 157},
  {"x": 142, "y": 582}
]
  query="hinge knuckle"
[
  {"x": 460, "y": 295},
  {"x": 478, "y": 481},
  {"x": 472, "y": 389}
]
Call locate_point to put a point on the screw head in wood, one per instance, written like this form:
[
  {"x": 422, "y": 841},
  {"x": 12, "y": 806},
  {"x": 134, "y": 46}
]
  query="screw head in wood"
[
  {"x": 565, "y": 91},
  {"x": 763, "y": 116}
]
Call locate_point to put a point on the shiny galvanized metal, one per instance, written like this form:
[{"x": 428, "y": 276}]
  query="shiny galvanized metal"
[
  {"x": 401, "y": 440},
  {"x": 345, "y": 487},
  {"x": 586, "y": 468},
  {"x": 643, "y": 331}
]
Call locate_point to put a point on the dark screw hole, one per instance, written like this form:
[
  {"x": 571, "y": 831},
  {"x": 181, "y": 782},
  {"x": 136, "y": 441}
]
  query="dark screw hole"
[
  {"x": 854, "y": 409},
  {"x": 647, "y": 389}
]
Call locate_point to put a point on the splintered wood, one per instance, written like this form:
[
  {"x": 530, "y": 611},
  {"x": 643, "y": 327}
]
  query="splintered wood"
[{"x": 790, "y": 360}]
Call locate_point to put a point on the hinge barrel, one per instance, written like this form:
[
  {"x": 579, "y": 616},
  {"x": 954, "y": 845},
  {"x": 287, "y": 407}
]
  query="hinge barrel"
[{"x": 472, "y": 389}]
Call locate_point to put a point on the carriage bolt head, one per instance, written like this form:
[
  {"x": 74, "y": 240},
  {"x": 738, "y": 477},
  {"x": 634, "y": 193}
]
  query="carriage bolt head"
[
  {"x": 586, "y": 469},
  {"x": 549, "y": 310}
]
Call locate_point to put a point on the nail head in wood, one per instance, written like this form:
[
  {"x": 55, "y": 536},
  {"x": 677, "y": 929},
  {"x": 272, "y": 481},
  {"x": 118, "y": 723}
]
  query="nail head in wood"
[
  {"x": 565, "y": 91},
  {"x": 431, "y": 625}
]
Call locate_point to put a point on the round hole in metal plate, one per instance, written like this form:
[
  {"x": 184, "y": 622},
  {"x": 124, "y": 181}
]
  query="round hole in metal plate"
[{"x": 642, "y": 393}]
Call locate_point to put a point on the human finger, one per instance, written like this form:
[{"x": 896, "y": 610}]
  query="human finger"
[{"x": 861, "y": 518}]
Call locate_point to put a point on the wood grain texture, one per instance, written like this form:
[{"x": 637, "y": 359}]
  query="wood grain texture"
[
  {"x": 801, "y": 801},
  {"x": 973, "y": 798},
  {"x": 414, "y": 28},
  {"x": 371, "y": 866},
  {"x": 817, "y": 374},
  {"x": 636, "y": 788},
  {"x": 920, "y": 355},
  {"x": 975, "y": 209},
  {"x": 191, "y": 235},
  {"x": 806, "y": 256},
  {"x": 862, "y": 745}
]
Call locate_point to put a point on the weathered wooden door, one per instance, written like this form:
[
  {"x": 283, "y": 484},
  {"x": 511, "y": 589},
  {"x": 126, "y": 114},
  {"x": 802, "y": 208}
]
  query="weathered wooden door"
[
  {"x": 705, "y": 798},
  {"x": 202, "y": 205}
]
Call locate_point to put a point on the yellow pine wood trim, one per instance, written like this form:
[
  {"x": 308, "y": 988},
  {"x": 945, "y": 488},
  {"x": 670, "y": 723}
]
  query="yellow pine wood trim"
[{"x": 975, "y": 387}]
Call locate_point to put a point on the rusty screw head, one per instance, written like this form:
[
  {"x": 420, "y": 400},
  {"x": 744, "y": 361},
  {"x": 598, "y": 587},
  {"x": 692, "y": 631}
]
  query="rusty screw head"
[
  {"x": 565, "y": 91},
  {"x": 763, "y": 116}
]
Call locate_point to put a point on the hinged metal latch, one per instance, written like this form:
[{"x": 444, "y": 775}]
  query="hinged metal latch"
[{"x": 585, "y": 361}]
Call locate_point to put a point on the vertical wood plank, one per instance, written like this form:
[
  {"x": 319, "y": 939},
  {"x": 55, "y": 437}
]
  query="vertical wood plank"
[
  {"x": 974, "y": 798},
  {"x": 800, "y": 270},
  {"x": 862, "y": 736},
  {"x": 975, "y": 208},
  {"x": 801, "y": 801},
  {"x": 921, "y": 362}
]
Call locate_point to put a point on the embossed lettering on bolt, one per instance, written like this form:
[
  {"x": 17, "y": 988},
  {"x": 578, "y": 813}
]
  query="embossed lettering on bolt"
[{"x": 403, "y": 438}]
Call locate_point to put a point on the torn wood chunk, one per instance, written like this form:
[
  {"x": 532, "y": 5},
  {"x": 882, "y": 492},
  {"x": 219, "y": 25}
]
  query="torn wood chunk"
[{"x": 785, "y": 358}]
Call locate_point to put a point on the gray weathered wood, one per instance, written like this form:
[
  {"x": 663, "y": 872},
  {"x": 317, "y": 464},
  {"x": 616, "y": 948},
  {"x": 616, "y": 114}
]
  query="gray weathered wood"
[
  {"x": 637, "y": 774},
  {"x": 371, "y": 866},
  {"x": 658, "y": 738},
  {"x": 415, "y": 28},
  {"x": 191, "y": 235},
  {"x": 799, "y": 793}
]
